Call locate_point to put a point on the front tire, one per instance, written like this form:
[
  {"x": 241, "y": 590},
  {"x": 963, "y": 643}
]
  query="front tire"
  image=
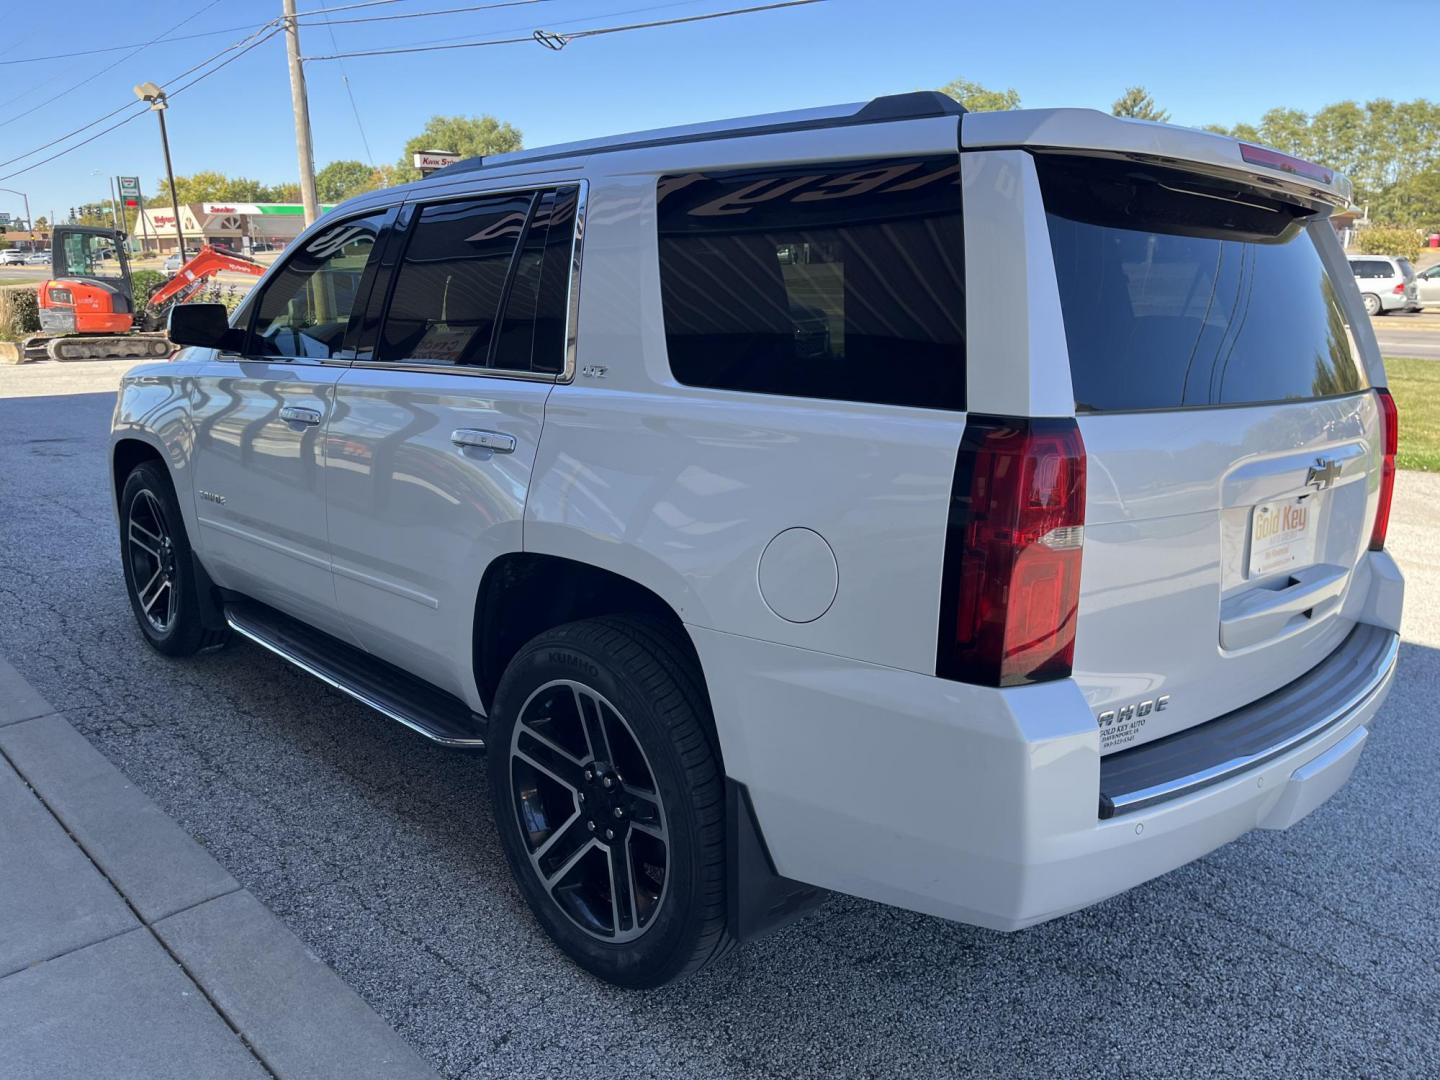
[
  {"x": 159, "y": 566},
  {"x": 609, "y": 798}
]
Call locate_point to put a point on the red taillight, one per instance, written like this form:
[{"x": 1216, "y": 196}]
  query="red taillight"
[
  {"x": 1012, "y": 553},
  {"x": 1390, "y": 439},
  {"x": 1399, "y": 290}
]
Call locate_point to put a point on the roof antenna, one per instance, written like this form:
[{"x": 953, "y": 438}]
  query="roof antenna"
[{"x": 551, "y": 40}]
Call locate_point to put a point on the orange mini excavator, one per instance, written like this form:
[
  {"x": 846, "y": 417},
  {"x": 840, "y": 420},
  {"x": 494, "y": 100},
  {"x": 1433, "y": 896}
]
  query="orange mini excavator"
[{"x": 88, "y": 309}]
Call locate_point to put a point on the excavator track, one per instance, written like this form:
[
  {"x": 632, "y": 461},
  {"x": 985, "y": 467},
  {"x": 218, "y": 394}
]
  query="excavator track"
[{"x": 98, "y": 347}]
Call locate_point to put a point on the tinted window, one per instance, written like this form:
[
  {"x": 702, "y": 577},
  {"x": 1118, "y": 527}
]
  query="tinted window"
[
  {"x": 307, "y": 305},
  {"x": 838, "y": 281},
  {"x": 1371, "y": 268},
  {"x": 450, "y": 283},
  {"x": 1182, "y": 291},
  {"x": 532, "y": 333}
]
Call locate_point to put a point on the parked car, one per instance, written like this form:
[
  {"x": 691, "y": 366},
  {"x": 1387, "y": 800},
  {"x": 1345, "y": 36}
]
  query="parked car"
[
  {"x": 1386, "y": 283},
  {"x": 1427, "y": 286},
  {"x": 11, "y": 257},
  {"x": 39, "y": 258},
  {"x": 768, "y": 548},
  {"x": 173, "y": 263}
]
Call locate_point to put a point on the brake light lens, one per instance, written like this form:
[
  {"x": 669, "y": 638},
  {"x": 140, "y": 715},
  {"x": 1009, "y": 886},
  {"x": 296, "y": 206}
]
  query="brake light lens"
[
  {"x": 60, "y": 296},
  {"x": 1273, "y": 159},
  {"x": 1390, "y": 439},
  {"x": 1400, "y": 289},
  {"x": 1011, "y": 584}
]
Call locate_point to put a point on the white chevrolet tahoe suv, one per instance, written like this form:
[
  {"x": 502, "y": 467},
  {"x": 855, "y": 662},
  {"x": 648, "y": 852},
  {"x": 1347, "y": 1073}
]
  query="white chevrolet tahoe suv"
[{"x": 979, "y": 513}]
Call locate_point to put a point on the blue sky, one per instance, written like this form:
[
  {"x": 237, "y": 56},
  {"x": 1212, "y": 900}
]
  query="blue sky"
[{"x": 1207, "y": 61}]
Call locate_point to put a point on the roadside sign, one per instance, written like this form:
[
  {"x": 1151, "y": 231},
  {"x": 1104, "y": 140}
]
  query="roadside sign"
[
  {"x": 129, "y": 188},
  {"x": 427, "y": 161},
  {"x": 4, "y": 219}
]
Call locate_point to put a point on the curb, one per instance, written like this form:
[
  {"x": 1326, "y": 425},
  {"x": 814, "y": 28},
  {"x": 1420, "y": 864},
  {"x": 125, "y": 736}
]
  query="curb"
[{"x": 132, "y": 948}]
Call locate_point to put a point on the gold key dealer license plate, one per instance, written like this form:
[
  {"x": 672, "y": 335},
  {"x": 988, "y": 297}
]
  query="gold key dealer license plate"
[{"x": 1282, "y": 534}]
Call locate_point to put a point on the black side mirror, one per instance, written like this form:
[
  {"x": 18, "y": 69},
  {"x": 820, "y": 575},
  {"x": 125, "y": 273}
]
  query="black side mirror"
[{"x": 205, "y": 325}]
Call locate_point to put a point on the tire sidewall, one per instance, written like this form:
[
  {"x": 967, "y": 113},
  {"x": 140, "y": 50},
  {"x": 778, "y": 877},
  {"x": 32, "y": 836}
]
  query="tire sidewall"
[
  {"x": 666, "y": 945},
  {"x": 176, "y": 638}
]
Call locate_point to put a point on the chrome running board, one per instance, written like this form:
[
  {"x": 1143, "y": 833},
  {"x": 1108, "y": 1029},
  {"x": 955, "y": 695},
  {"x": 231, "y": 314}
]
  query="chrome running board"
[{"x": 440, "y": 717}]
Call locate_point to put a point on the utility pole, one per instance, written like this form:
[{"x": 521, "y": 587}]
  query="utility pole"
[{"x": 301, "y": 102}]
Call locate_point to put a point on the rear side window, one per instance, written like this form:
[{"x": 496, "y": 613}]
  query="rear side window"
[
  {"x": 484, "y": 283},
  {"x": 1182, "y": 291},
  {"x": 1372, "y": 268},
  {"x": 841, "y": 281}
]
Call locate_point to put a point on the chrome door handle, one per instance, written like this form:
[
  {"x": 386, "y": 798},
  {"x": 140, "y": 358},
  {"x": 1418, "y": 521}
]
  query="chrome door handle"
[
  {"x": 497, "y": 441},
  {"x": 298, "y": 414}
]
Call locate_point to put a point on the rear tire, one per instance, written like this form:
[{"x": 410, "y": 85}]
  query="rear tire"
[
  {"x": 159, "y": 565},
  {"x": 610, "y": 800},
  {"x": 1372, "y": 304}
]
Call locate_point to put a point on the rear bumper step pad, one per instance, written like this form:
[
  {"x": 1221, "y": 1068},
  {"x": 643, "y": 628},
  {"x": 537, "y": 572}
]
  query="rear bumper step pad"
[{"x": 1218, "y": 749}]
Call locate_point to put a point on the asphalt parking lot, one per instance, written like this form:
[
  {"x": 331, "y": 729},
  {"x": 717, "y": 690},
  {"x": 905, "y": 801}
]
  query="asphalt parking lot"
[{"x": 1314, "y": 951}]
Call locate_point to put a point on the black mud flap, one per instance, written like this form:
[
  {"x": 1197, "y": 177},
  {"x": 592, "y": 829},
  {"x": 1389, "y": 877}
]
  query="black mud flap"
[{"x": 758, "y": 899}]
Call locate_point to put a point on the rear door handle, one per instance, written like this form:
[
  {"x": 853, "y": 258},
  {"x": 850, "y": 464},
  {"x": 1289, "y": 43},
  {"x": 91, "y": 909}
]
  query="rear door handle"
[
  {"x": 496, "y": 441},
  {"x": 298, "y": 414}
]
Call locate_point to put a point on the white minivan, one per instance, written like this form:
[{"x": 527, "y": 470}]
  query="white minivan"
[{"x": 978, "y": 513}]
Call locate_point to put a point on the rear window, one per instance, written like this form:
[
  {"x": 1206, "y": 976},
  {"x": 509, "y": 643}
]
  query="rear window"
[
  {"x": 840, "y": 281},
  {"x": 1180, "y": 291},
  {"x": 1371, "y": 268}
]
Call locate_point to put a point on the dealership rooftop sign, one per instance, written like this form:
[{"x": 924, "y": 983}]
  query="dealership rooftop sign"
[{"x": 427, "y": 161}]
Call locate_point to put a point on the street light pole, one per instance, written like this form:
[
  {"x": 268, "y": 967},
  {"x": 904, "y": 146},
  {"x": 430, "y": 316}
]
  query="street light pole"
[
  {"x": 29, "y": 221},
  {"x": 300, "y": 100},
  {"x": 158, "y": 104}
]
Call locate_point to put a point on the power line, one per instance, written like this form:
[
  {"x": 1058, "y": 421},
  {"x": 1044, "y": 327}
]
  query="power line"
[
  {"x": 132, "y": 104},
  {"x": 559, "y": 41},
  {"x": 238, "y": 29},
  {"x": 349, "y": 92},
  {"x": 132, "y": 45},
  {"x": 259, "y": 39},
  {"x": 425, "y": 14},
  {"x": 570, "y": 22},
  {"x": 134, "y": 52}
]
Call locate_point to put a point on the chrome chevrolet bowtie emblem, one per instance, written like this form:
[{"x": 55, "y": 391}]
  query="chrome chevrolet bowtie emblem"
[{"x": 1322, "y": 474}]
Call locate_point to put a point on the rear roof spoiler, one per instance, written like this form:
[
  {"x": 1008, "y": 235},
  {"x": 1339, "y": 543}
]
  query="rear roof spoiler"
[{"x": 1086, "y": 131}]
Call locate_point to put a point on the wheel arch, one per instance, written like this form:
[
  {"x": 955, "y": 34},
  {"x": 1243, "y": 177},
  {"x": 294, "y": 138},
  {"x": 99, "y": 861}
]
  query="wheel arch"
[
  {"x": 125, "y": 454},
  {"x": 523, "y": 594}
]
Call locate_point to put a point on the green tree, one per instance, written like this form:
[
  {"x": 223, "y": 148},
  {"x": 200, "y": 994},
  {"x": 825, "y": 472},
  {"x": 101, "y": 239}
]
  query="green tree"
[
  {"x": 282, "y": 193},
  {"x": 1137, "y": 103},
  {"x": 209, "y": 186},
  {"x": 341, "y": 179},
  {"x": 468, "y": 136},
  {"x": 977, "y": 98}
]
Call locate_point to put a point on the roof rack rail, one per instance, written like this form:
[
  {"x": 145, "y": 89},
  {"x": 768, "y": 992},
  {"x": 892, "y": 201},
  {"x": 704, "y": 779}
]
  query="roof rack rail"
[{"x": 917, "y": 105}]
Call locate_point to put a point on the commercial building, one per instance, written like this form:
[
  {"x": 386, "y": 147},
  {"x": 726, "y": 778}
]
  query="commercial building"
[{"x": 240, "y": 226}]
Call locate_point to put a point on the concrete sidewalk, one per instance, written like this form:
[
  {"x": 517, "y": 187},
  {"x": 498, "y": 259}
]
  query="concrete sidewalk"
[{"x": 126, "y": 951}]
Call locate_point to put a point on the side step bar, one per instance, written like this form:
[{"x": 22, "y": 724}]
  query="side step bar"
[{"x": 438, "y": 716}]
